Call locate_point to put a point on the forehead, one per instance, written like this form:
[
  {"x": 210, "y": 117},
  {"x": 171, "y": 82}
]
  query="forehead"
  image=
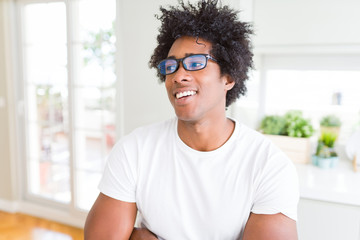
[{"x": 189, "y": 45}]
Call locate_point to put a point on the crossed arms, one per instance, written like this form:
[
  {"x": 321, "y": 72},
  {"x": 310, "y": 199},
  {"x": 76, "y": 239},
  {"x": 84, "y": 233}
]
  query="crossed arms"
[{"x": 111, "y": 219}]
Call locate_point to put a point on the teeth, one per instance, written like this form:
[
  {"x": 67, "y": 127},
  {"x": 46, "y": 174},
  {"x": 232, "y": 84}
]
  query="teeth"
[{"x": 185, "y": 94}]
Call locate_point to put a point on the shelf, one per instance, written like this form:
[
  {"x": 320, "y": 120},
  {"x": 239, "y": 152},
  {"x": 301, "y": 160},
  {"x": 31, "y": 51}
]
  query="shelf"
[{"x": 338, "y": 185}]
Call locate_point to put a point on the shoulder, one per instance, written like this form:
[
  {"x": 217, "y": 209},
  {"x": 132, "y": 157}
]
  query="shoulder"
[
  {"x": 261, "y": 151},
  {"x": 274, "y": 176},
  {"x": 252, "y": 140},
  {"x": 148, "y": 134},
  {"x": 250, "y": 134},
  {"x": 155, "y": 128}
]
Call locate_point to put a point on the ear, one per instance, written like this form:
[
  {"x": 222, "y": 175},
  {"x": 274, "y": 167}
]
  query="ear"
[{"x": 228, "y": 81}]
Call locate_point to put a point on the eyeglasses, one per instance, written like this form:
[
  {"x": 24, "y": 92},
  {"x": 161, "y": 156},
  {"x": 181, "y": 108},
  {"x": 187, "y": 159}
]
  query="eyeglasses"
[{"x": 193, "y": 62}]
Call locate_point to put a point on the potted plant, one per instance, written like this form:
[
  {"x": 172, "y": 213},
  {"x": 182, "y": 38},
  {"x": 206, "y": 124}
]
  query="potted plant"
[
  {"x": 291, "y": 133},
  {"x": 326, "y": 156},
  {"x": 292, "y": 124},
  {"x": 297, "y": 126},
  {"x": 330, "y": 123},
  {"x": 274, "y": 125}
]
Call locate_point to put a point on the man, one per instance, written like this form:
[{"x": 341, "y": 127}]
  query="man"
[{"x": 200, "y": 175}]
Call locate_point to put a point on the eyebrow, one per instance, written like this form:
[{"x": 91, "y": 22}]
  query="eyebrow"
[{"x": 186, "y": 55}]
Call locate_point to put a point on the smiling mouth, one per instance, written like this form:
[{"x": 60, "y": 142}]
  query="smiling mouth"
[{"x": 184, "y": 94}]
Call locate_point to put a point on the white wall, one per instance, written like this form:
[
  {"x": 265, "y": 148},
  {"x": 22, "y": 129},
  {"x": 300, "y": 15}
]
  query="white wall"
[
  {"x": 7, "y": 109},
  {"x": 4, "y": 112},
  {"x": 144, "y": 99},
  {"x": 319, "y": 220},
  {"x": 317, "y": 22}
]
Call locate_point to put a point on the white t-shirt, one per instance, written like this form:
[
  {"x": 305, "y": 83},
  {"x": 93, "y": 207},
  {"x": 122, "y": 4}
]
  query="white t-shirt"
[{"x": 182, "y": 193}]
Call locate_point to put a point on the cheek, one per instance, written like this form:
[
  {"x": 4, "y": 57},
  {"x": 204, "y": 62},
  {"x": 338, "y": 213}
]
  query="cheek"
[{"x": 168, "y": 87}]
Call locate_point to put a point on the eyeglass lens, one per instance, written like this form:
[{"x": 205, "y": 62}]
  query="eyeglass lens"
[{"x": 190, "y": 63}]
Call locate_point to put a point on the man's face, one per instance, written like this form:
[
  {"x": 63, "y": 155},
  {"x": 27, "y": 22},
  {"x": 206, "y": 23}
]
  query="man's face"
[{"x": 205, "y": 89}]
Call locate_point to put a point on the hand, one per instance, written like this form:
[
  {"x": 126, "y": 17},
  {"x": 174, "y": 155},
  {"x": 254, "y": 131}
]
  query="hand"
[{"x": 142, "y": 234}]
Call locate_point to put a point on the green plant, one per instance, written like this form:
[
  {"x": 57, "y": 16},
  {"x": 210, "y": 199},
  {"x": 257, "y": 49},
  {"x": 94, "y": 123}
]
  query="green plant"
[
  {"x": 328, "y": 138},
  {"x": 273, "y": 125},
  {"x": 325, "y": 147},
  {"x": 322, "y": 150},
  {"x": 292, "y": 124},
  {"x": 297, "y": 126},
  {"x": 330, "y": 121}
]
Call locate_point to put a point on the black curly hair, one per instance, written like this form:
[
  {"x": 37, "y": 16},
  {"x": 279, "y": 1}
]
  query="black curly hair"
[{"x": 230, "y": 38}]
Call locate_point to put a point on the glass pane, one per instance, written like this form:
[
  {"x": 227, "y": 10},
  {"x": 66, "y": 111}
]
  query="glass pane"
[
  {"x": 88, "y": 108},
  {"x": 47, "y": 104},
  {"x": 110, "y": 137},
  {"x": 95, "y": 14},
  {"x": 49, "y": 173},
  {"x": 31, "y": 103},
  {"x": 45, "y": 71},
  {"x": 45, "y": 43},
  {"x": 45, "y": 23},
  {"x": 94, "y": 108},
  {"x": 46, "y": 76},
  {"x": 34, "y": 141},
  {"x": 50, "y": 180},
  {"x": 97, "y": 37},
  {"x": 108, "y": 99},
  {"x": 91, "y": 149},
  {"x": 94, "y": 94},
  {"x": 46, "y": 64},
  {"x": 87, "y": 188},
  {"x": 98, "y": 66}
]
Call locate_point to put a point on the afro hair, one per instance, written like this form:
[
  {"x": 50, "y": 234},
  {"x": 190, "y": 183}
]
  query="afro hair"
[{"x": 230, "y": 38}]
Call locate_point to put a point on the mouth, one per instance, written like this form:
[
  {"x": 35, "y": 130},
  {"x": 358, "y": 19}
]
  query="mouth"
[{"x": 184, "y": 94}]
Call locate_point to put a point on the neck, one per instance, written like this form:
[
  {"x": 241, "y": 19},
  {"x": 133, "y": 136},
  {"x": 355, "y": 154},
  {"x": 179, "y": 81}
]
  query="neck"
[{"x": 206, "y": 135}]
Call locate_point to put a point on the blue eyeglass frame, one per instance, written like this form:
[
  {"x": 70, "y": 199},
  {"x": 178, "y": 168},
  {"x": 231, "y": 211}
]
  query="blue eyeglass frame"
[{"x": 207, "y": 57}]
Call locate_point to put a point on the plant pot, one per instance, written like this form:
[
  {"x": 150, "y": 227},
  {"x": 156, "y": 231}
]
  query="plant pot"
[
  {"x": 325, "y": 163},
  {"x": 297, "y": 149},
  {"x": 335, "y": 130}
]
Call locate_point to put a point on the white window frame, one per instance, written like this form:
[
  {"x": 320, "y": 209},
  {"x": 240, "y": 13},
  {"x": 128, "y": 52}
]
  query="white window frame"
[{"x": 31, "y": 204}]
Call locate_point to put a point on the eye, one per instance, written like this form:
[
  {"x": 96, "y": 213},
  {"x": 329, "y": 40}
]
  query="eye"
[
  {"x": 195, "y": 65},
  {"x": 170, "y": 68},
  {"x": 167, "y": 66},
  {"x": 195, "y": 62}
]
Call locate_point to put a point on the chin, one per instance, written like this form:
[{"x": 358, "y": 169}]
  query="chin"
[
  {"x": 184, "y": 116},
  {"x": 187, "y": 117}
]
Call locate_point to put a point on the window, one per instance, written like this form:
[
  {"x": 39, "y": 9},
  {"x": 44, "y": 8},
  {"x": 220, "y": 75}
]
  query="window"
[
  {"x": 317, "y": 93},
  {"x": 68, "y": 56},
  {"x": 317, "y": 85}
]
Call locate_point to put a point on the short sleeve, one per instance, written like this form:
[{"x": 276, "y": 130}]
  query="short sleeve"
[
  {"x": 119, "y": 176},
  {"x": 277, "y": 189}
]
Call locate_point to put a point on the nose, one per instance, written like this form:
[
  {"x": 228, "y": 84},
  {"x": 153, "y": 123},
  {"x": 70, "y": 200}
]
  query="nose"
[{"x": 181, "y": 75}]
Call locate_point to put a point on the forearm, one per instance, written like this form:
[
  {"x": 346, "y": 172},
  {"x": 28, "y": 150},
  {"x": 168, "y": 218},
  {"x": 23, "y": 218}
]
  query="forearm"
[{"x": 100, "y": 229}]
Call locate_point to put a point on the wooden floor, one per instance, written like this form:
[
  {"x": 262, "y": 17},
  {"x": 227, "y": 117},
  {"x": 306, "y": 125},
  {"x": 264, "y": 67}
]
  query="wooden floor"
[{"x": 23, "y": 227}]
